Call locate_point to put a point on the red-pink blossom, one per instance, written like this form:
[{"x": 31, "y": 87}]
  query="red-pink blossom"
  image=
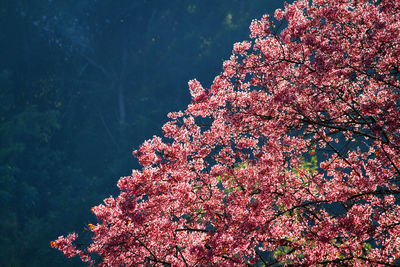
[{"x": 294, "y": 150}]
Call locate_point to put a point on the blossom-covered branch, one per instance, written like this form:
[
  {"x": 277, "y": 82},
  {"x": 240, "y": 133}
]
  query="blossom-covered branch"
[{"x": 235, "y": 181}]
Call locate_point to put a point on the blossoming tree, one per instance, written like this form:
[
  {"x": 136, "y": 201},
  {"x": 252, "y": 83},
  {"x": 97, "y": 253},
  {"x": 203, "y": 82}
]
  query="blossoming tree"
[{"x": 228, "y": 182}]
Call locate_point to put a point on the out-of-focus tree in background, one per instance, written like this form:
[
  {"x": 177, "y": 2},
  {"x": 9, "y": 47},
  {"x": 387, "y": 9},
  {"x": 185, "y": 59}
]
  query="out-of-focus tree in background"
[{"x": 83, "y": 83}]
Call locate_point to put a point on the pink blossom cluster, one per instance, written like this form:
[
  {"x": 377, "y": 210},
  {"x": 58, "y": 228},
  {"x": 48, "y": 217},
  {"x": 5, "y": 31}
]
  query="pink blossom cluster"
[
  {"x": 232, "y": 183},
  {"x": 242, "y": 47}
]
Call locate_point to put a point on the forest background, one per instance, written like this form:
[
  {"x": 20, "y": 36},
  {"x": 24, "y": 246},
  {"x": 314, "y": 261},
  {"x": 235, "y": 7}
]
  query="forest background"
[{"x": 83, "y": 84}]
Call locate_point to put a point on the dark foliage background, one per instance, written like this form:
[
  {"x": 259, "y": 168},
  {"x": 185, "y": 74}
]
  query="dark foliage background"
[{"x": 82, "y": 84}]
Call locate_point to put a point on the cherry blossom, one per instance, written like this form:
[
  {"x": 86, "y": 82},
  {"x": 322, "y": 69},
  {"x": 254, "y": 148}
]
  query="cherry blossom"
[{"x": 231, "y": 184}]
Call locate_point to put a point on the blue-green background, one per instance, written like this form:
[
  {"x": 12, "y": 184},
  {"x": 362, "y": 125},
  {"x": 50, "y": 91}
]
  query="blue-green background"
[{"x": 84, "y": 83}]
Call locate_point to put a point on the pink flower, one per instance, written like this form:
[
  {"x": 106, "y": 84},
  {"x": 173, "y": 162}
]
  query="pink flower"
[
  {"x": 241, "y": 48},
  {"x": 279, "y": 14}
]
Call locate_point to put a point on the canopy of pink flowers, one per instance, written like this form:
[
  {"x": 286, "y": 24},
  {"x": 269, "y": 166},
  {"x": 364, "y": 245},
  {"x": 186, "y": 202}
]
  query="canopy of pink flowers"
[{"x": 229, "y": 182}]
